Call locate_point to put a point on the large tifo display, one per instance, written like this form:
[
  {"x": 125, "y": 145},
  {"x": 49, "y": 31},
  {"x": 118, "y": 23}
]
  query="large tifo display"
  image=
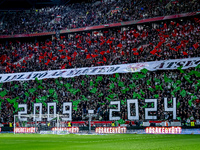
[
  {"x": 135, "y": 67},
  {"x": 38, "y": 106}
]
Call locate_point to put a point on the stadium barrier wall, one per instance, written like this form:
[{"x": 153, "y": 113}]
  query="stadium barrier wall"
[{"x": 116, "y": 130}]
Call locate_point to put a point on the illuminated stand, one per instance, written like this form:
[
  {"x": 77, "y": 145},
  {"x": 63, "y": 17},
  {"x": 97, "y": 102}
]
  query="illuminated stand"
[{"x": 90, "y": 112}]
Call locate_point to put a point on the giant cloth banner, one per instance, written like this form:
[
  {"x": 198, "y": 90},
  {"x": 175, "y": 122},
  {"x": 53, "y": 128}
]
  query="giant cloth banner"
[{"x": 111, "y": 69}]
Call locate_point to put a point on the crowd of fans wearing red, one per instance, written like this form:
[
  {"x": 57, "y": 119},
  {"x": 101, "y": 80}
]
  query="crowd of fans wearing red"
[
  {"x": 171, "y": 40},
  {"x": 104, "y": 47}
]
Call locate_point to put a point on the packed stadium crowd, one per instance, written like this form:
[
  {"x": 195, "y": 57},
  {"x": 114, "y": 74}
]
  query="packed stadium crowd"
[
  {"x": 90, "y": 14},
  {"x": 172, "y": 40},
  {"x": 96, "y": 92},
  {"x": 122, "y": 45}
]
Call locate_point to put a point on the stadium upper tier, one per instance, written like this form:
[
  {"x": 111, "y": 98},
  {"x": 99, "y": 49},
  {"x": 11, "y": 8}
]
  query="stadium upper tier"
[
  {"x": 174, "y": 40},
  {"x": 90, "y": 14}
]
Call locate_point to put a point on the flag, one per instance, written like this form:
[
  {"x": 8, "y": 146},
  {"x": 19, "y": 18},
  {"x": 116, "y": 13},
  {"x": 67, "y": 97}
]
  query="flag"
[
  {"x": 185, "y": 53},
  {"x": 132, "y": 85},
  {"x": 102, "y": 52},
  {"x": 125, "y": 90},
  {"x": 100, "y": 95},
  {"x": 104, "y": 59},
  {"x": 116, "y": 75},
  {"x": 74, "y": 91},
  {"x": 165, "y": 26},
  {"x": 75, "y": 108},
  {"x": 123, "y": 102},
  {"x": 142, "y": 92},
  {"x": 119, "y": 45},
  {"x": 11, "y": 101},
  {"x": 93, "y": 56},
  {"x": 159, "y": 87},
  {"x": 38, "y": 81},
  {"x": 84, "y": 98},
  {"x": 121, "y": 121},
  {"x": 196, "y": 45},
  {"x": 25, "y": 85},
  {"x": 153, "y": 51},
  {"x": 101, "y": 103},
  {"x": 40, "y": 87},
  {"x": 82, "y": 82},
  {"x": 74, "y": 54},
  {"x": 112, "y": 79},
  {"x": 141, "y": 49},
  {"x": 178, "y": 105},
  {"x": 166, "y": 79},
  {"x": 187, "y": 78},
  {"x": 26, "y": 93},
  {"x": 112, "y": 95},
  {"x": 112, "y": 85},
  {"x": 16, "y": 86},
  {"x": 62, "y": 56},
  {"x": 144, "y": 70},
  {"x": 157, "y": 80},
  {"x": 91, "y": 83},
  {"x": 121, "y": 84},
  {"x": 190, "y": 102},
  {"x": 63, "y": 66},
  {"x": 183, "y": 93},
  {"x": 54, "y": 58},
  {"x": 51, "y": 91},
  {"x": 94, "y": 90},
  {"x": 145, "y": 106},
  {"x": 108, "y": 99},
  {"x": 88, "y": 56},
  {"x": 68, "y": 58},
  {"x": 15, "y": 106},
  {"x": 151, "y": 89},
  {"x": 180, "y": 69},
  {"x": 149, "y": 82},
  {"x": 136, "y": 95},
  {"x": 48, "y": 61},
  {"x": 99, "y": 78},
  {"x": 32, "y": 90},
  {"x": 156, "y": 95},
  {"x": 134, "y": 49}
]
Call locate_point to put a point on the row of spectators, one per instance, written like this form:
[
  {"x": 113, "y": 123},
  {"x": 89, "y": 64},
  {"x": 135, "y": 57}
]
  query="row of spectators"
[
  {"x": 96, "y": 92},
  {"x": 172, "y": 40},
  {"x": 89, "y": 14}
]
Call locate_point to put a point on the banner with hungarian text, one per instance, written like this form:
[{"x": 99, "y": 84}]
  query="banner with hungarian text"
[{"x": 100, "y": 70}]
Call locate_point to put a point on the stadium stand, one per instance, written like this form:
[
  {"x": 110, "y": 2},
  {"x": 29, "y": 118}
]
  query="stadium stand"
[
  {"x": 90, "y": 14},
  {"x": 173, "y": 39}
]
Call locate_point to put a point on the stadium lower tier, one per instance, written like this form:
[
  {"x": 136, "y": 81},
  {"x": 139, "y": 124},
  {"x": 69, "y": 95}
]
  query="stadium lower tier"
[{"x": 102, "y": 93}]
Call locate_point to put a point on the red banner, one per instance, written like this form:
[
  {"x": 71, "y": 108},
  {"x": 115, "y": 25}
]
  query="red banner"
[
  {"x": 163, "y": 130},
  {"x": 69, "y": 129},
  {"x": 103, "y": 130},
  {"x": 25, "y": 130}
]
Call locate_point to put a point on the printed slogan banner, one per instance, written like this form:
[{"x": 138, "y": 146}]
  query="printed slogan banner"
[{"x": 111, "y": 69}]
